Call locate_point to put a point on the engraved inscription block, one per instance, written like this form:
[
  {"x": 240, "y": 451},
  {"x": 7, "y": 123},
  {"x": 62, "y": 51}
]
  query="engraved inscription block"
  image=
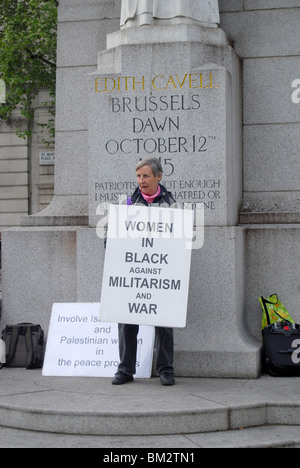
[{"x": 179, "y": 113}]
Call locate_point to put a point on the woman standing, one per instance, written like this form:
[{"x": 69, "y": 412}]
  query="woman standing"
[{"x": 149, "y": 174}]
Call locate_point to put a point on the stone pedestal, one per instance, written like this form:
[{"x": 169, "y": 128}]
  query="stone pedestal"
[
  {"x": 167, "y": 33},
  {"x": 179, "y": 101},
  {"x": 216, "y": 342}
]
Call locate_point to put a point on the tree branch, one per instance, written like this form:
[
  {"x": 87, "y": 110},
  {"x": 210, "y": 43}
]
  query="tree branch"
[{"x": 39, "y": 57}]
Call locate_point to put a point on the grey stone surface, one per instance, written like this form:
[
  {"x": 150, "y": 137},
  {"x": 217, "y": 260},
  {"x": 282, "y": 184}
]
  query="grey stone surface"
[
  {"x": 216, "y": 341},
  {"x": 43, "y": 258},
  {"x": 269, "y": 218},
  {"x": 256, "y": 437},
  {"x": 270, "y": 4},
  {"x": 165, "y": 34},
  {"x": 79, "y": 412},
  {"x": 271, "y": 161},
  {"x": 82, "y": 28},
  {"x": 76, "y": 10},
  {"x": 267, "y": 202},
  {"x": 72, "y": 100},
  {"x": 64, "y": 210},
  {"x": 231, "y": 5},
  {"x": 268, "y": 90},
  {"x": 79, "y": 42},
  {"x": 263, "y": 33},
  {"x": 273, "y": 261},
  {"x": 187, "y": 88},
  {"x": 72, "y": 176},
  {"x": 90, "y": 261},
  {"x": 261, "y": 437}
]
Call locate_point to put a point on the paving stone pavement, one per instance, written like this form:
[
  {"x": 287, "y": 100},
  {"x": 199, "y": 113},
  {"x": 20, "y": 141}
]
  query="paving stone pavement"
[{"x": 56, "y": 412}]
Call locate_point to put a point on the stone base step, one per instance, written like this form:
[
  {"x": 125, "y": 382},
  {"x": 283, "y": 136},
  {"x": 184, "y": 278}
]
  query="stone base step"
[
  {"x": 196, "y": 411},
  {"x": 256, "y": 437}
]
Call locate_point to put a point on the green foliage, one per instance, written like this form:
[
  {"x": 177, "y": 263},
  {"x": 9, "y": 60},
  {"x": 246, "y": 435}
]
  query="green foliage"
[{"x": 28, "y": 56}]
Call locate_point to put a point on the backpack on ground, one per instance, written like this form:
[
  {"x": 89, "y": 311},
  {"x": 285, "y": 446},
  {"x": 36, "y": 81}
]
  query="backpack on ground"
[
  {"x": 281, "y": 339},
  {"x": 24, "y": 345}
]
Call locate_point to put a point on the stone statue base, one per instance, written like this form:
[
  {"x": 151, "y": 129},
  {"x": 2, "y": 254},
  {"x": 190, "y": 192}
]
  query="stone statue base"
[
  {"x": 146, "y": 19},
  {"x": 165, "y": 32}
]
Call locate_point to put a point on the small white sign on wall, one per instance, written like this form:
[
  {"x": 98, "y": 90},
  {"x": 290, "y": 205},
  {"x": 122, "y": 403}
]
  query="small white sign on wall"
[
  {"x": 47, "y": 158},
  {"x": 79, "y": 345}
]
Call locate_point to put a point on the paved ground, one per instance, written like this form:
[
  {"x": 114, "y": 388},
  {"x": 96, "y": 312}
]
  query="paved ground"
[{"x": 49, "y": 412}]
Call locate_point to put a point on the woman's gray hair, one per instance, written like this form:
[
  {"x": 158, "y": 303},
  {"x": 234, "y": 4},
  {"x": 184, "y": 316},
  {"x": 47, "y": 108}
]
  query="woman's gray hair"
[{"x": 154, "y": 163}]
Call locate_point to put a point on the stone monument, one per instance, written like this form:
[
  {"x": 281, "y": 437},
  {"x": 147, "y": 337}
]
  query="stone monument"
[
  {"x": 169, "y": 85},
  {"x": 171, "y": 89}
]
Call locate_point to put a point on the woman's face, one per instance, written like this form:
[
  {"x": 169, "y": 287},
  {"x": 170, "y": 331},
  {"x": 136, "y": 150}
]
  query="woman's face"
[{"x": 147, "y": 181}]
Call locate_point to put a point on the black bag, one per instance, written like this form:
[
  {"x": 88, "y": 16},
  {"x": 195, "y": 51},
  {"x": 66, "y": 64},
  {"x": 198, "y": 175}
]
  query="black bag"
[
  {"x": 24, "y": 345},
  {"x": 281, "y": 349}
]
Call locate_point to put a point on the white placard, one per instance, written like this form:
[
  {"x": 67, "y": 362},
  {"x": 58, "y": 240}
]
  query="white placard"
[
  {"x": 79, "y": 345},
  {"x": 147, "y": 266}
]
